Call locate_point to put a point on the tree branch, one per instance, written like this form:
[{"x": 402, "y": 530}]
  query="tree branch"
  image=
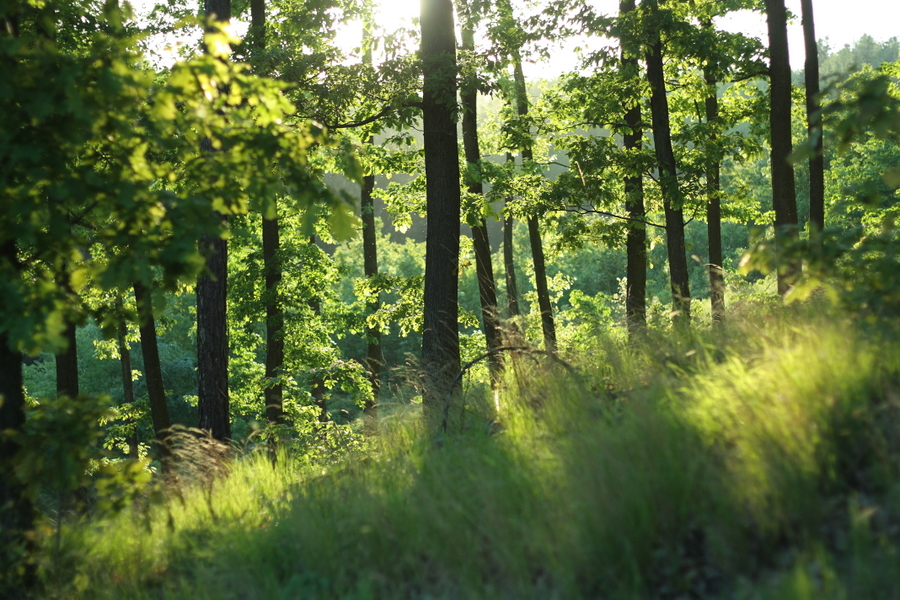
[{"x": 379, "y": 115}]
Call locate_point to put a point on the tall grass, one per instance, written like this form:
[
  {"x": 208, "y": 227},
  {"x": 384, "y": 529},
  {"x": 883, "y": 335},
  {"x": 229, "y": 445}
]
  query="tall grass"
[{"x": 755, "y": 463}]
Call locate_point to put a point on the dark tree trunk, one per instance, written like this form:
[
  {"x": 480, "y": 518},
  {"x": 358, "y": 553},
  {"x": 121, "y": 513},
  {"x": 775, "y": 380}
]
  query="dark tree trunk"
[
  {"x": 485, "y": 271},
  {"x": 212, "y": 325},
  {"x": 67, "y": 365},
  {"x": 156, "y": 391},
  {"x": 440, "y": 339},
  {"x": 540, "y": 279},
  {"x": 127, "y": 381},
  {"x": 374, "y": 351},
  {"x": 668, "y": 180},
  {"x": 374, "y": 354},
  {"x": 17, "y": 513},
  {"x": 784, "y": 198},
  {"x": 274, "y": 394},
  {"x": 714, "y": 204},
  {"x": 217, "y": 9},
  {"x": 534, "y": 231},
  {"x": 814, "y": 120},
  {"x": 212, "y": 341},
  {"x": 509, "y": 262},
  {"x": 636, "y": 239}
]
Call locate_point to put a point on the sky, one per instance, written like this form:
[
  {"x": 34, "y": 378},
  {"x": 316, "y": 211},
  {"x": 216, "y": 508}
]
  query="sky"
[{"x": 841, "y": 22}]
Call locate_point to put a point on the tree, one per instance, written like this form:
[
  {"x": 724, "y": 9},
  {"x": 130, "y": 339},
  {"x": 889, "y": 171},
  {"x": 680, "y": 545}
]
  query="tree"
[
  {"x": 636, "y": 241},
  {"x": 483, "y": 267},
  {"x": 512, "y": 45},
  {"x": 784, "y": 195},
  {"x": 668, "y": 173},
  {"x": 440, "y": 337},
  {"x": 212, "y": 313},
  {"x": 110, "y": 146},
  {"x": 814, "y": 120},
  {"x": 374, "y": 351},
  {"x": 156, "y": 391}
]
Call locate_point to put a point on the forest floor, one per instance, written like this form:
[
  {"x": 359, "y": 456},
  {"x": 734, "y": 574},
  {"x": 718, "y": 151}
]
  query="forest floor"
[{"x": 757, "y": 460}]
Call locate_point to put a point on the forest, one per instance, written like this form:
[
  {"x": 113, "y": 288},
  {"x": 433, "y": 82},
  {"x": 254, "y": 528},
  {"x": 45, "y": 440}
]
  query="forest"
[{"x": 299, "y": 301}]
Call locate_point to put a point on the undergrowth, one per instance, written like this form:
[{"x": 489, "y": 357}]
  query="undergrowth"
[{"x": 750, "y": 461}]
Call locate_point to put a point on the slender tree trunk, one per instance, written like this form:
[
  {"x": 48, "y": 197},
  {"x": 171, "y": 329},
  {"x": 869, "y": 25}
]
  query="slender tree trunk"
[
  {"x": 534, "y": 231},
  {"x": 374, "y": 354},
  {"x": 274, "y": 394},
  {"x": 374, "y": 350},
  {"x": 784, "y": 198},
  {"x": 17, "y": 513},
  {"x": 814, "y": 120},
  {"x": 509, "y": 262},
  {"x": 440, "y": 339},
  {"x": 127, "y": 381},
  {"x": 668, "y": 180},
  {"x": 67, "y": 365},
  {"x": 636, "y": 239},
  {"x": 485, "y": 272},
  {"x": 212, "y": 324},
  {"x": 156, "y": 391},
  {"x": 714, "y": 203}
]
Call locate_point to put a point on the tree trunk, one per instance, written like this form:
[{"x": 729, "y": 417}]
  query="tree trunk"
[
  {"x": 484, "y": 269},
  {"x": 814, "y": 120},
  {"x": 212, "y": 325},
  {"x": 212, "y": 341},
  {"x": 67, "y": 365},
  {"x": 784, "y": 199},
  {"x": 274, "y": 394},
  {"x": 668, "y": 181},
  {"x": 156, "y": 391},
  {"x": 714, "y": 202},
  {"x": 127, "y": 381},
  {"x": 17, "y": 513},
  {"x": 374, "y": 351},
  {"x": 374, "y": 354},
  {"x": 636, "y": 240},
  {"x": 440, "y": 339},
  {"x": 534, "y": 231},
  {"x": 509, "y": 262}
]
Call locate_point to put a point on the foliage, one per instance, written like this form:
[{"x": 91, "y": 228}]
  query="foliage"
[{"x": 855, "y": 259}]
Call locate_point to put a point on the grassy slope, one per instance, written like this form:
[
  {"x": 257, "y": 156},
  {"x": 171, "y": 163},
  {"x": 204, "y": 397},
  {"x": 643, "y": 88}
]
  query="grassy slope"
[{"x": 672, "y": 470}]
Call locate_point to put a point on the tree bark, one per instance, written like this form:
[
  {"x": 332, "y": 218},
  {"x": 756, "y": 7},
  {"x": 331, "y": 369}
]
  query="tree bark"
[
  {"x": 17, "y": 513},
  {"x": 127, "y": 381},
  {"x": 484, "y": 269},
  {"x": 509, "y": 262},
  {"x": 714, "y": 202},
  {"x": 274, "y": 394},
  {"x": 814, "y": 120},
  {"x": 374, "y": 350},
  {"x": 156, "y": 391},
  {"x": 636, "y": 239},
  {"x": 67, "y": 365},
  {"x": 668, "y": 181},
  {"x": 374, "y": 354},
  {"x": 784, "y": 197},
  {"x": 440, "y": 339},
  {"x": 212, "y": 341},
  {"x": 212, "y": 326}
]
